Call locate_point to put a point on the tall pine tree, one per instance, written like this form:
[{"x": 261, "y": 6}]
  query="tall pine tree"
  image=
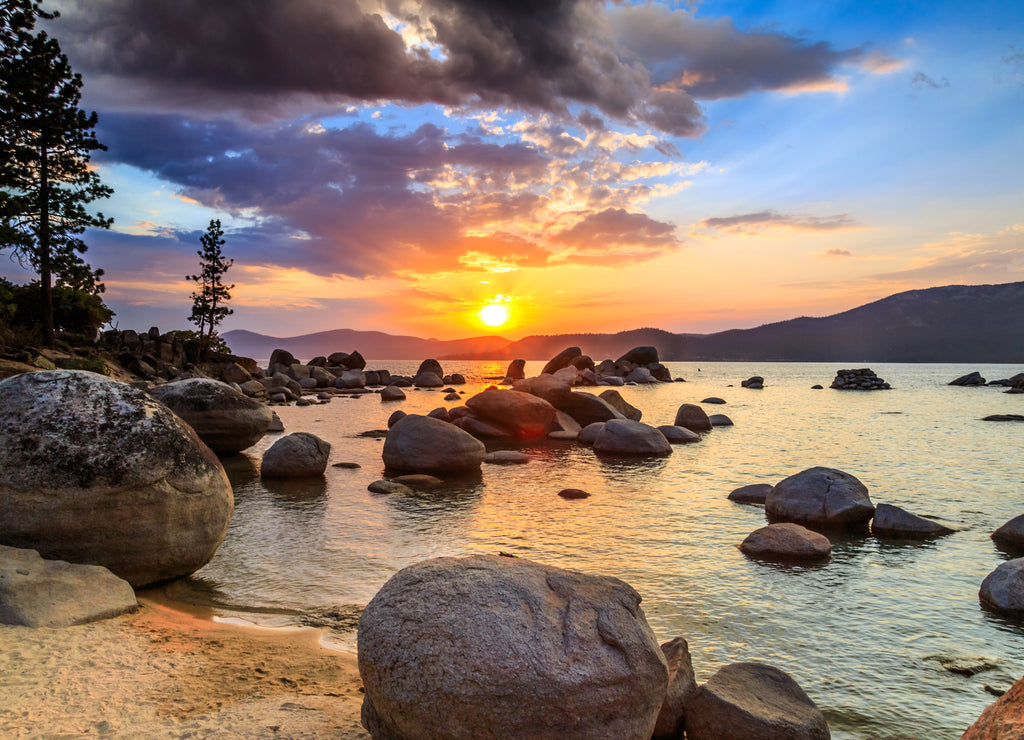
[
  {"x": 208, "y": 308},
  {"x": 46, "y": 143}
]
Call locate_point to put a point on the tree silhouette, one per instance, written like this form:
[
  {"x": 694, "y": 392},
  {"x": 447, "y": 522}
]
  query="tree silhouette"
[
  {"x": 208, "y": 308},
  {"x": 45, "y": 148}
]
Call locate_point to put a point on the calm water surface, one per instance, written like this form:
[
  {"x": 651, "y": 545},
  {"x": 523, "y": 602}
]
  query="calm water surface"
[{"x": 862, "y": 634}]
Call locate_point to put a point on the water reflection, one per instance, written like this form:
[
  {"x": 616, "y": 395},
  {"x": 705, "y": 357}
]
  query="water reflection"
[{"x": 297, "y": 492}]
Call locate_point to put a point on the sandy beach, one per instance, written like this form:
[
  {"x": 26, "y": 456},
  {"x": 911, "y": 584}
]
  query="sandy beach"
[{"x": 165, "y": 673}]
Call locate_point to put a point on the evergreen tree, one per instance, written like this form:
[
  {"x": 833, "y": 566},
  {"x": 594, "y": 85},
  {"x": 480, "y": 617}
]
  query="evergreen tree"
[
  {"x": 208, "y": 308},
  {"x": 45, "y": 147}
]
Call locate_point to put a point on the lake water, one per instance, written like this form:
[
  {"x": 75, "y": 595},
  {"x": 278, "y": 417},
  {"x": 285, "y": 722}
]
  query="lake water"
[{"x": 862, "y": 635}]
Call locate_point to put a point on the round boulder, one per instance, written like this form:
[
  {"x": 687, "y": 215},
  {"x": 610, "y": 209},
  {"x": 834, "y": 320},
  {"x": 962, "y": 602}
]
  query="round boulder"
[
  {"x": 786, "y": 542},
  {"x": 693, "y": 417},
  {"x": 627, "y": 437},
  {"x": 1003, "y": 589},
  {"x": 426, "y": 445},
  {"x": 521, "y": 414},
  {"x": 488, "y": 646},
  {"x": 753, "y": 700},
  {"x": 392, "y": 393},
  {"x": 95, "y": 471},
  {"x": 226, "y": 420},
  {"x": 297, "y": 455},
  {"x": 820, "y": 497}
]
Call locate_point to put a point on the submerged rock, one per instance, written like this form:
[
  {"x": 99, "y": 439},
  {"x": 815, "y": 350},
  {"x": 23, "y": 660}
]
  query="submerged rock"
[
  {"x": 892, "y": 521},
  {"x": 95, "y": 471},
  {"x": 786, "y": 541},
  {"x": 487, "y": 646}
]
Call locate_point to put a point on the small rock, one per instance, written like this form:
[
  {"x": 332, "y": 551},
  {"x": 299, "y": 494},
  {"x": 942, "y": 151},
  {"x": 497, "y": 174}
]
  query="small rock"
[
  {"x": 573, "y": 493},
  {"x": 720, "y": 420},
  {"x": 506, "y": 457},
  {"x": 678, "y": 435},
  {"x": 755, "y": 493},
  {"x": 892, "y": 521},
  {"x": 714, "y": 399},
  {"x": 692, "y": 417},
  {"x": 1003, "y": 589},
  {"x": 387, "y": 486},
  {"x": 392, "y": 393},
  {"x": 1010, "y": 537},
  {"x": 297, "y": 455},
  {"x": 420, "y": 481},
  {"x": 347, "y": 465},
  {"x": 786, "y": 541}
]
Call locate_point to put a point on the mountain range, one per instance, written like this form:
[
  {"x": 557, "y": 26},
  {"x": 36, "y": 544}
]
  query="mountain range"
[{"x": 954, "y": 323}]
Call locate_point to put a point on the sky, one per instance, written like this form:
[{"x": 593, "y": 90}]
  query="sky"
[{"x": 452, "y": 168}]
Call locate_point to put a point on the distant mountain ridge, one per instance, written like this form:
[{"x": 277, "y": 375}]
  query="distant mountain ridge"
[{"x": 954, "y": 323}]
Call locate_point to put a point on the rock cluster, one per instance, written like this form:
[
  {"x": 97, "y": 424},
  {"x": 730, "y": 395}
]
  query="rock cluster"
[
  {"x": 861, "y": 379},
  {"x": 640, "y": 365},
  {"x": 490, "y": 646},
  {"x": 756, "y": 382}
]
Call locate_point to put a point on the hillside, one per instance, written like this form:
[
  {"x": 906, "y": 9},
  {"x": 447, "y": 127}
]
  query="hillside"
[{"x": 956, "y": 323}]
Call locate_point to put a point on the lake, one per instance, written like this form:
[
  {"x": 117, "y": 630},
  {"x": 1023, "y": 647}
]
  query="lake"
[{"x": 863, "y": 635}]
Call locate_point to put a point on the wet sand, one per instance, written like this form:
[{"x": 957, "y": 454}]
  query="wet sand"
[{"x": 165, "y": 673}]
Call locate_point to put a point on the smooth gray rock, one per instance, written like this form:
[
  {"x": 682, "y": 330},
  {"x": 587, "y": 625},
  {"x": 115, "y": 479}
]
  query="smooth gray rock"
[
  {"x": 692, "y": 417},
  {"x": 678, "y": 435},
  {"x": 95, "y": 471},
  {"x": 54, "y": 593},
  {"x": 586, "y": 408},
  {"x": 755, "y": 493},
  {"x": 640, "y": 375},
  {"x": 682, "y": 685},
  {"x": 820, "y": 497},
  {"x": 1003, "y": 588},
  {"x": 714, "y": 400},
  {"x": 425, "y": 445},
  {"x": 428, "y": 380},
  {"x": 297, "y": 455},
  {"x": 614, "y": 399},
  {"x": 388, "y": 486},
  {"x": 753, "y": 701},
  {"x": 786, "y": 541},
  {"x": 226, "y": 420},
  {"x": 720, "y": 420},
  {"x": 1010, "y": 537},
  {"x": 632, "y": 438},
  {"x": 520, "y": 414},
  {"x": 488, "y": 646},
  {"x": 892, "y": 521}
]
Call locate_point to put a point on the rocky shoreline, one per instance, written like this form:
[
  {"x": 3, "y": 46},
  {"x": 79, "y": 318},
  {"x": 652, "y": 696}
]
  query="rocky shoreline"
[{"x": 549, "y": 405}]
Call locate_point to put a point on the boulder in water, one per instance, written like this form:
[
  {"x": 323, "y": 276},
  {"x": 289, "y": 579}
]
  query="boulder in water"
[
  {"x": 1003, "y": 589},
  {"x": 631, "y": 438},
  {"x": 786, "y": 541},
  {"x": 693, "y": 417},
  {"x": 1010, "y": 537},
  {"x": 297, "y": 455},
  {"x": 820, "y": 497},
  {"x": 484, "y": 646},
  {"x": 423, "y": 444}
]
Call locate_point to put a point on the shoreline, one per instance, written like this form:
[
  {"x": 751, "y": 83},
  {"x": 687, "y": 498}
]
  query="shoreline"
[{"x": 166, "y": 671}]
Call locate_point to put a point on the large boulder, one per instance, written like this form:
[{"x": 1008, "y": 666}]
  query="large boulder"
[
  {"x": 892, "y": 521},
  {"x": 423, "y": 444},
  {"x": 486, "y": 646},
  {"x": 1001, "y": 720},
  {"x": 693, "y": 417},
  {"x": 430, "y": 366},
  {"x": 614, "y": 399},
  {"x": 1003, "y": 588},
  {"x": 95, "y": 471},
  {"x": 786, "y": 541},
  {"x": 521, "y": 414},
  {"x": 743, "y": 701},
  {"x": 297, "y": 455},
  {"x": 820, "y": 497},
  {"x": 53, "y": 593},
  {"x": 281, "y": 357},
  {"x": 1010, "y": 537},
  {"x": 561, "y": 360},
  {"x": 226, "y": 420},
  {"x": 586, "y": 408},
  {"x": 969, "y": 380},
  {"x": 631, "y": 438}
]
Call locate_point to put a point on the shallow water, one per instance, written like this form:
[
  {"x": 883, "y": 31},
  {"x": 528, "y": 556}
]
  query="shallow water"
[{"x": 860, "y": 634}]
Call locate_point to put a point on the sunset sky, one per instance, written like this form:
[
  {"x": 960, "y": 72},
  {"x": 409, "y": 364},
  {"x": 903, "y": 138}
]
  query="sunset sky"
[{"x": 588, "y": 166}]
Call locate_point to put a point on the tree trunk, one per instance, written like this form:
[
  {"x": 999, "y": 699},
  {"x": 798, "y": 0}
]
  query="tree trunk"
[{"x": 45, "y": 268}]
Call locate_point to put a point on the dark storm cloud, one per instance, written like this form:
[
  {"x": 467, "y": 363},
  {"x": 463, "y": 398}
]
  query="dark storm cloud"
[
  {"x": 712, "y": 59},
  {"x": 263, "y": 56}
]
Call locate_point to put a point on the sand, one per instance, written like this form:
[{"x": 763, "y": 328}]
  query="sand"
[{"x": 165, "y": 673}]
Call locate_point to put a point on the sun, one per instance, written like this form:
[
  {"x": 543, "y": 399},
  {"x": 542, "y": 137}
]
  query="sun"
[{"x": 493, "y": 315}]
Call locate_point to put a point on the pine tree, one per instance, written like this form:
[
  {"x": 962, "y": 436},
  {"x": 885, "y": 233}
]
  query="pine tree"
[
  {"x": 46, "y": 143},
  {"x": 208, "y": 308}
]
